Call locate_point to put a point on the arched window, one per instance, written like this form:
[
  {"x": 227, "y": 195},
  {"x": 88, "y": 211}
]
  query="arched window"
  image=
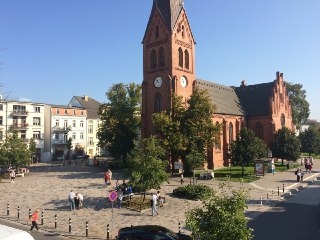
[
  {"x": 153, "y": 59},
  {"x": 258, "y": 129},
  {"x": 156, "y": 33},
  {"x": 157, "y": 103},
  {"x": 230, "y": 133},
  {"x": 180, "y": 57},
  {"x": 218, "y": 144},
  {"x": 283, "y": 120},
  {"x": 161, "y": 57},
  {"x": 186, "y": 59}
]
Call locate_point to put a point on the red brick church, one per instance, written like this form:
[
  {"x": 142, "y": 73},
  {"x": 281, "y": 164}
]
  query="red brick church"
[{"x": 169, "y": 67}]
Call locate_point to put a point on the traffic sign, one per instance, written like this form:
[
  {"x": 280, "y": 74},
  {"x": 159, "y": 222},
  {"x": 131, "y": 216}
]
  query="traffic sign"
[{"x": 113, "y": 196}]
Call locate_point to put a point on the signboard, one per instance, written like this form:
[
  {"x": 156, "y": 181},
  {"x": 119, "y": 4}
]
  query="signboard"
[
  {"x": 113, "y": 196},
  {"x": 259, "y": 168},
  {"x": 178, "y": 165}
]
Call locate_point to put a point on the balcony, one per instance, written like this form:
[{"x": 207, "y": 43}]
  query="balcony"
[
  {"x": 60, "y": 129},
  {"x": 19, "y": 113},
  {"x": 19, "y": 126}
]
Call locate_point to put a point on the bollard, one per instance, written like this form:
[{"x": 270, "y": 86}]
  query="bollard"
[
  {"x": 29, "y": 213},
  {"x": 55, "y": 221},
  {"x": 179, "y": 228},
  {"x": 261, "y": 201},
  {"x": 267, "y": 196},
  {"x": 87, "y": 229},
  {"x": 18, "y": 212},
  {"x": 278, "y": 191},
  {"x": 69, "y": 225},
  {"x": 108, "y": 231},
  {"x": 283, "y": 188},
  {"x": 42, "y": 218},
  {"x": 8, "y": 209}
]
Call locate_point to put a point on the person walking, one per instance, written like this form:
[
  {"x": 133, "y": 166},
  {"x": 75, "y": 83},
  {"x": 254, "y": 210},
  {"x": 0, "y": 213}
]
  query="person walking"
[
  {"x": 12, "y": 175},
  {"x": 181, "y": 179},
  {"x": 34, "y": 218},
  {"x": 154, "y": 201},
  {"x": 298, "y": 173},
  {"x": 273, "y": 168},
  {"x": 71, "y": 197},
  {"x": 120, "y": 197}
]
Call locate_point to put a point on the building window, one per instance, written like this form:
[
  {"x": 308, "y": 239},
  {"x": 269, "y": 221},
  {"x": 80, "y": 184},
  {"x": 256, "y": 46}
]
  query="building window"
[
  {"x": 90, "y": 140},
  {"x": 81, "y": 135},
  {"x": 23, "y": 134},
  {"x": 182, "y": 31},
  {"x": 180, "y": 57},
  {"x": 153, "y": 59},
  {"x": 19, "y": 109},
  {"x": 1, "y": 107},
  {"x": 157, "y": 103},
  {"x": 36, "y": 121},
  {"x": 65, "y": 111},
  {"x": 65, "y": 124},
  {"x": 230, "y": 133},
  {"x": 36, "y": 134},
  {"x": 1, "y": 135},
  {"x": 90, "y": 129},
  {"x": 1, "y": 120},
  {"x": 156, "y": 34},
  {"x": 73, "y": 123},
  {"x": 258, "y": 129},
  {"x": 186, "y": 59},
  {"x": 218, "y": 144},
  {"x": 58, "y": 112},
  {"x": 37, "y": 109},
  {"x": 283, "y": 120},
  {"x": 57, "y": 122},
  {"x": 82, "y": 113},
  {"x": 73, "y": 136},
  {"x": 81, "y": 124},
  {"x": 74, "y": 112},
  {"x": 56, "y": 136},
  {"x": 161, "y": 57}
]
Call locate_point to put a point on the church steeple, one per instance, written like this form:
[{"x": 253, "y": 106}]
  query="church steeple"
[{"x": 168, "y": 59}]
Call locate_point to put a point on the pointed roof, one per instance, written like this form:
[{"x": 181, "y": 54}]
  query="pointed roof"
[
  {"x": 88, "y": 103},
  {"x": 168, "y": 9}
]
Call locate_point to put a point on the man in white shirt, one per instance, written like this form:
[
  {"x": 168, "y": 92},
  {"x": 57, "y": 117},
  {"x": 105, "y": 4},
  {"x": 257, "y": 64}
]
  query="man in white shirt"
[
  {"x": 154, "y": 204},
  {"x": 71, "y": 200}
]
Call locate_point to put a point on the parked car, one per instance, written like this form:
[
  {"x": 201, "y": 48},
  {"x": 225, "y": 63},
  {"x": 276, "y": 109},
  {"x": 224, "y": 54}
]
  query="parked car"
[{"x": 150, "y": 232}]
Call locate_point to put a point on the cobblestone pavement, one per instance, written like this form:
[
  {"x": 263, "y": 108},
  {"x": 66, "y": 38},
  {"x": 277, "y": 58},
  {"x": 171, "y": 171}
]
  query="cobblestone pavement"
[{"x": 46, "y": 186}]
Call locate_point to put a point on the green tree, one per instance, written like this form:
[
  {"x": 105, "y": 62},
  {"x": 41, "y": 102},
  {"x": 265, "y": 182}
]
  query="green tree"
[
  {"x": 310, "y": 140},
  {"x": 120, "y": 119},
  {"x": 69, "y": 147},
  {"x": 285, "y": 145},
  {"x": 32, "y": 147},
  {"x": 147, "y": 168},
  {"x": 246, "y": 148},
  {"x": 14, "y": 150},
  {"x": 168, "y": 127},
  {"x": 299, "y": 104},
  {"x": 198, "y": 128},
  {"x": 194, "y": 160},
  {"x": 221, "y": 218}
]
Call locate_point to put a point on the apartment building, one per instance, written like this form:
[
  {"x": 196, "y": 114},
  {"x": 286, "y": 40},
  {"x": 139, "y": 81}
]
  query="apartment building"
[
  {"x": 93, "y": 122},
  {"x": 29, "y": 119},
  {"x": 68, "y": 122}
]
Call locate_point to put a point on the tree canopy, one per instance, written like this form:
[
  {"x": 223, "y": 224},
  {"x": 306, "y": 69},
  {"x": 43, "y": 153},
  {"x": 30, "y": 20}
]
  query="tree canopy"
[
  {"x": 14, "y": 150},
  {"x": 120, "y": 119},
  {"x": 310, "y": 140},
  {"x": 147, "y": 169},
  {"x": 299, "y": 104},
  {"x": 285, "y": 145},
  {"x": 222, "y": 217},
  {"x": 246, "y": 148},
  {"x": 188, "y": 128}
]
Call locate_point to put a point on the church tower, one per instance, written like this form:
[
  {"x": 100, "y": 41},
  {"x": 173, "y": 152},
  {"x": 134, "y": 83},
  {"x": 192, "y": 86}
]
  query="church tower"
[{"x": 168, "y": 59}]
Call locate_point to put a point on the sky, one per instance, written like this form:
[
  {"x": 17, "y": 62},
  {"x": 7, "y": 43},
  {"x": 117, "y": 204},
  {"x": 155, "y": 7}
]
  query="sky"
[{"x": 53, "y": 50}]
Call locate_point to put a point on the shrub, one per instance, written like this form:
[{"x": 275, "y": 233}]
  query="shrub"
[{"x": 193, "y": 192}]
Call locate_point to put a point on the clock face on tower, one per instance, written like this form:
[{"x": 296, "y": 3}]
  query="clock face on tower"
[
  {"x": 183, "y": 81},
  {"x": 158, "y": 82}
]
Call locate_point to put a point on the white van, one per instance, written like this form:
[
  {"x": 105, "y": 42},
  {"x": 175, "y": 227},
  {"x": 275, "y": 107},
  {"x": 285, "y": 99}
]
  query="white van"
[{"x": 9, "y": 233}]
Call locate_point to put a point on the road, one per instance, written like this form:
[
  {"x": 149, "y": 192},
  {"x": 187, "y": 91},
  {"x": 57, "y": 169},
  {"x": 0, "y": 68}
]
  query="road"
[
  {"x": 295, "y": 218},
  {"x": 41, "y": 235}
]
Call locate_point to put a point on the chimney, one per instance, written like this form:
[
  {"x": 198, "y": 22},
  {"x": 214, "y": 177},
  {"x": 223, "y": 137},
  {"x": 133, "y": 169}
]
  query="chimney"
[
  {"x": 243, "y": 83},
  {"x": 86, "y": 98}
]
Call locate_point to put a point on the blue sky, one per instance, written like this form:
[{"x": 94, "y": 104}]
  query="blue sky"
[{"x": 53, "y": 50}]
